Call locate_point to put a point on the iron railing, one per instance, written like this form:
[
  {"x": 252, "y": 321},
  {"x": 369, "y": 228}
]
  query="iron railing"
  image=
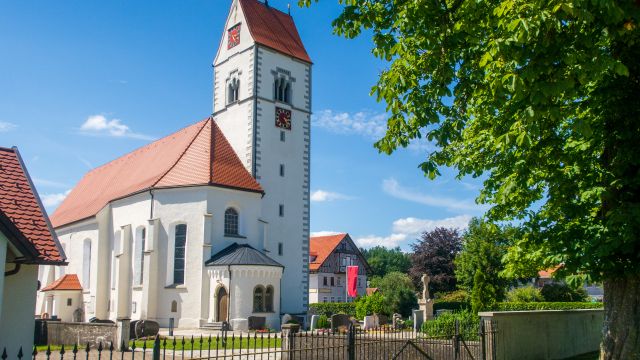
[{"x": 353, "y": 344}]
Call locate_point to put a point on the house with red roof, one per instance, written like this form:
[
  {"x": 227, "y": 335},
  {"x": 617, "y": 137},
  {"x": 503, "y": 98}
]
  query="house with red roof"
[
  {"x": 27, "y": 240},
  {"x": 209, "y": 224},
  {"x": 329, "y": 257}
]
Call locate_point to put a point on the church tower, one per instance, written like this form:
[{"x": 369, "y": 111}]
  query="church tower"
[{"x": 262, "y": 103}]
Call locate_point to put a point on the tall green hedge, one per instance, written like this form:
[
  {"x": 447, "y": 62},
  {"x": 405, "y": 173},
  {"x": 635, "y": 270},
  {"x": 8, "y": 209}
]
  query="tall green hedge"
[
  {"x": 329, "y": 309},
  {"x": 529, "y": 306}
]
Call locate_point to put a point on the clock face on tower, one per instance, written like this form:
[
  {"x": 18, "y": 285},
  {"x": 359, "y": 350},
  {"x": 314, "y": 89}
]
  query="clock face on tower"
[
  {"x": 283, "y": 118},
  {"x": 233, "y": 36}
]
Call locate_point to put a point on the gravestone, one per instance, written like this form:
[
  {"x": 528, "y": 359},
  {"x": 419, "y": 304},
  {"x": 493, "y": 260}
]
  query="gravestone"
[
  {"x": 240, "y": 324},
  {"x": 340, "y": 322},
  {"x": 397, "y": 321},
  {"x": 145, "y": 328},
  {"x": 314, "y": 322},
  {"x": 418, "y": 319},
  {"x": 383, "y": 319},
  {"x": 257, "y": 322},
  {"x": 426, "y": 303},
  {"x": 370, "y": 322}
]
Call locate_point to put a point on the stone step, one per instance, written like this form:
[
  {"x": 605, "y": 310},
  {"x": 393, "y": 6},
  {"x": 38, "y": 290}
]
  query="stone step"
[{"x": 212, "y": 326}]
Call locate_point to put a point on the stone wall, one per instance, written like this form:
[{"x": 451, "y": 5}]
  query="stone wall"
[
  {"x": 543, "y": 335},
  {"x": 64, "y": 333}
]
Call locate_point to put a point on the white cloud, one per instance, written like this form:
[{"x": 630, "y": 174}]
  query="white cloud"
[
  {"x": 323, "y": 233},
  {"x": 392, "y": 187},
  {"x": 7, "y": 126},
  {"x": 322, "y": 196},
  {"x": 53, "y": 200},
  {"x": 366, "y": 123},
  {"x": 100, "y": 125},
  {"x": 409, "y": 229}
]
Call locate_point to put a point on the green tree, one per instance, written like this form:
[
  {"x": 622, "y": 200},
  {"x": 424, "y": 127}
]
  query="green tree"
[
  {"x": 398, "y": 291},
  {"x": 483, "y": 246},
  {"x": 483, "y": 294},
  {"x": 383, "y": 260},
  {"x": 561, "y": 292},
  {"x": 369, "y": 305},
  {"x": 525, "y": 294},
  {"x": 540, "y": 97}
]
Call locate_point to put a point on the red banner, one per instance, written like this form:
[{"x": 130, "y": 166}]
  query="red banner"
[{"x": 352, "y": 281}]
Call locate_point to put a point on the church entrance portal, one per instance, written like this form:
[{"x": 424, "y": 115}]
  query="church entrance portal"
[{"x": 222, "y": 302}]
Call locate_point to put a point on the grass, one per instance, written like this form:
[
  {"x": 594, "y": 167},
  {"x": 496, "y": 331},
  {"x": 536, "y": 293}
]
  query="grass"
[{"x": 231, "y": 343}]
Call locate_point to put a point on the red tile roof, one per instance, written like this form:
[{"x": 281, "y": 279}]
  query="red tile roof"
[
  {"x": 22, "y": 213},
  {"x": 371, "y": 291},
  {"x": 322, "y": 247},
  {"x": 67, "y": 282},
  {"x": 197, "y": 155},
  {"x": 548, "y": 274},
  {"x": 273, "y": 28}
]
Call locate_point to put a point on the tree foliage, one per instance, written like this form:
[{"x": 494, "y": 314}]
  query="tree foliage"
[
  {"x": 433, "y": 254},
  {"x": 383, "y": 260},
  {"x": 561, "y": 292},
  {"x": 371, "y": 304},
  {"x": 483, "y": 294},
  {"x": 540, "y": 97},
  {"x": 525, "y": 294},
  {"x": 398, "y": 292}
]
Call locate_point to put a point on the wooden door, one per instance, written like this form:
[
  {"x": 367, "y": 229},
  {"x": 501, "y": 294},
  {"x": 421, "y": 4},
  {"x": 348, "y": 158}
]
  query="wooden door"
[{"x": 222, "y": 304}]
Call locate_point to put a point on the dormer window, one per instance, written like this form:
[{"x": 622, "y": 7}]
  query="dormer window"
[{"x": 233, "y": 90}]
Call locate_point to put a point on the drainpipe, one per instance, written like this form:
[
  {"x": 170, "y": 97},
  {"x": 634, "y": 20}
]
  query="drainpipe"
[
  {"x": 151, "y": 205},
  {"x": 229, "y": 300},
  {"x": 15, "y": 270}
]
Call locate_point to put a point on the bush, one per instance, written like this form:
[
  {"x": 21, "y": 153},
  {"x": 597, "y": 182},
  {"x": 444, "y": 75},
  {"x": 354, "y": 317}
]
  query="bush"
[
  {"x": 530, "y": 306},
  {"x": 524, "y": 294},
  {"x": 329, "y": 309},
  {"x": 561, "y": 292},
  {"x": 453, "y": 306},
  {"x": 483, "y": 294},
  {"x": 369, "y": 305},
  {"x": 323, "y": 322},
  {"x": 445, "y": 325},
  {"x": 458, "y": 296}
]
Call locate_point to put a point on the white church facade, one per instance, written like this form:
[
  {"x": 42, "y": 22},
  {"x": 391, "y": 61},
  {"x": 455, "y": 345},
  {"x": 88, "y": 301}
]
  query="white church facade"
[{"x": 211, "y": 223}]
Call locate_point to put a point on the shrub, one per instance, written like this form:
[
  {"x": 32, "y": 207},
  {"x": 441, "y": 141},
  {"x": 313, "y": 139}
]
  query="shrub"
[
  {"x": 323, "y": 322},
  {"x": 561, "y": 292},
  {"x": 524, "y": 294},
  {"x": 445, "y": 325},
  {"x": 329, "y": 309},
  {"x": 453, "y": 306},
  {"x": 483, "y": 294},
  {"x": 369, "y": 305},
  {"x": 522, "y": 306},
  {"x": 458, "y": 296}
]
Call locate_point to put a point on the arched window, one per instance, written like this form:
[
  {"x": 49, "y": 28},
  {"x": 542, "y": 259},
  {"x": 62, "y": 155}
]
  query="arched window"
[
  {"x": 138, "y": 265},
  {"x": 174, "y": 306},
  {"x": 233, "y": 90},
  {"x": 282, "y": 89},
  {"x": 268, "y": 299},
  {"x": 258, "y": 299},
  {"x": 231, "y": 222},
  {"x": 179, "y": 253},
  {"x": 86, "y": 264}
]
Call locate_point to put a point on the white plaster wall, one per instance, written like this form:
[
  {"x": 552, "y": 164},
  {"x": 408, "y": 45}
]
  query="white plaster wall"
[
  {"x": 63, "y": 311},
  {"x": 244, "y": 280},
  {"x": 337, "y": 292},
  {"x": 16, "y": 319},
  {"x": 292, "y": 189}
]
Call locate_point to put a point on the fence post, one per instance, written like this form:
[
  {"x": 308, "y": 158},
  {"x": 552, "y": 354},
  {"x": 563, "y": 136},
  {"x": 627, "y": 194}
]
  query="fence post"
[
  {"x": 483, "y": 341},
  {"x": 456, "y": 341},
  {"x": 288, "y": 340},
  {"x": 156, "y": 348},
  {"x": 351, "y": 343}
]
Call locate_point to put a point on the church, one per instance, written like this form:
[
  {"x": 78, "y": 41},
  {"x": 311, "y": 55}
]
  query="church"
[{"x": 208, "y": 224}]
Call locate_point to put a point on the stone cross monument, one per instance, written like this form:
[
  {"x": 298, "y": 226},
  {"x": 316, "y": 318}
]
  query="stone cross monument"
[{"x": 426, "y": 304}]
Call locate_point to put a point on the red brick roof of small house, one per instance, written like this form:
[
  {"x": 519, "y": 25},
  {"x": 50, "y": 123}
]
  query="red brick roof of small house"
[
  {"x": 322, "y": 247},
  {"x": 371, "y": 291},
  {"x": 548, "y": 274},
  {"x": 66, "y": 282},
  {"x": 274, "y": 29},
  {"x": 22, "y": 217},
  {"x": 196, "y": 155}
]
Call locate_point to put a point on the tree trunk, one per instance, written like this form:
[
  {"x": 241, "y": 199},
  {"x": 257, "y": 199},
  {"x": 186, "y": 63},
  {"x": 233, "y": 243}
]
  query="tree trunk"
[{"x": 621, "y": 333}]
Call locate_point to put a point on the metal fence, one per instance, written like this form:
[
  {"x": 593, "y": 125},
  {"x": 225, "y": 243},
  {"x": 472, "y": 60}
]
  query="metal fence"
[{"x": 447, "y": 343}]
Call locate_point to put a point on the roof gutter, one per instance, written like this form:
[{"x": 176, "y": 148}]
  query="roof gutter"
[{"x": 15, "y": 270}]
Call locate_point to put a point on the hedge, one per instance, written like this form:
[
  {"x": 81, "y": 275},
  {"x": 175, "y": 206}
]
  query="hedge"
[
  {"x": 329, "y": 309},
  {"x": 528, "y": 306},
  {"x": 451, "y": 305}
]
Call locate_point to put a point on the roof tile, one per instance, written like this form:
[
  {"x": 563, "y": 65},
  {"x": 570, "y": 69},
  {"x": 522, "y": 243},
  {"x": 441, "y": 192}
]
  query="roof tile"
[
  {"x": 67, "y": 282},
  {"x": 321, "y": 247}
]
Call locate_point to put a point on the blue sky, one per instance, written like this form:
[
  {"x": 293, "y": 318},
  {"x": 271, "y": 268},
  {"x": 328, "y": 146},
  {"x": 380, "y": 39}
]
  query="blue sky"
[{"x": 140, "y": 71}]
